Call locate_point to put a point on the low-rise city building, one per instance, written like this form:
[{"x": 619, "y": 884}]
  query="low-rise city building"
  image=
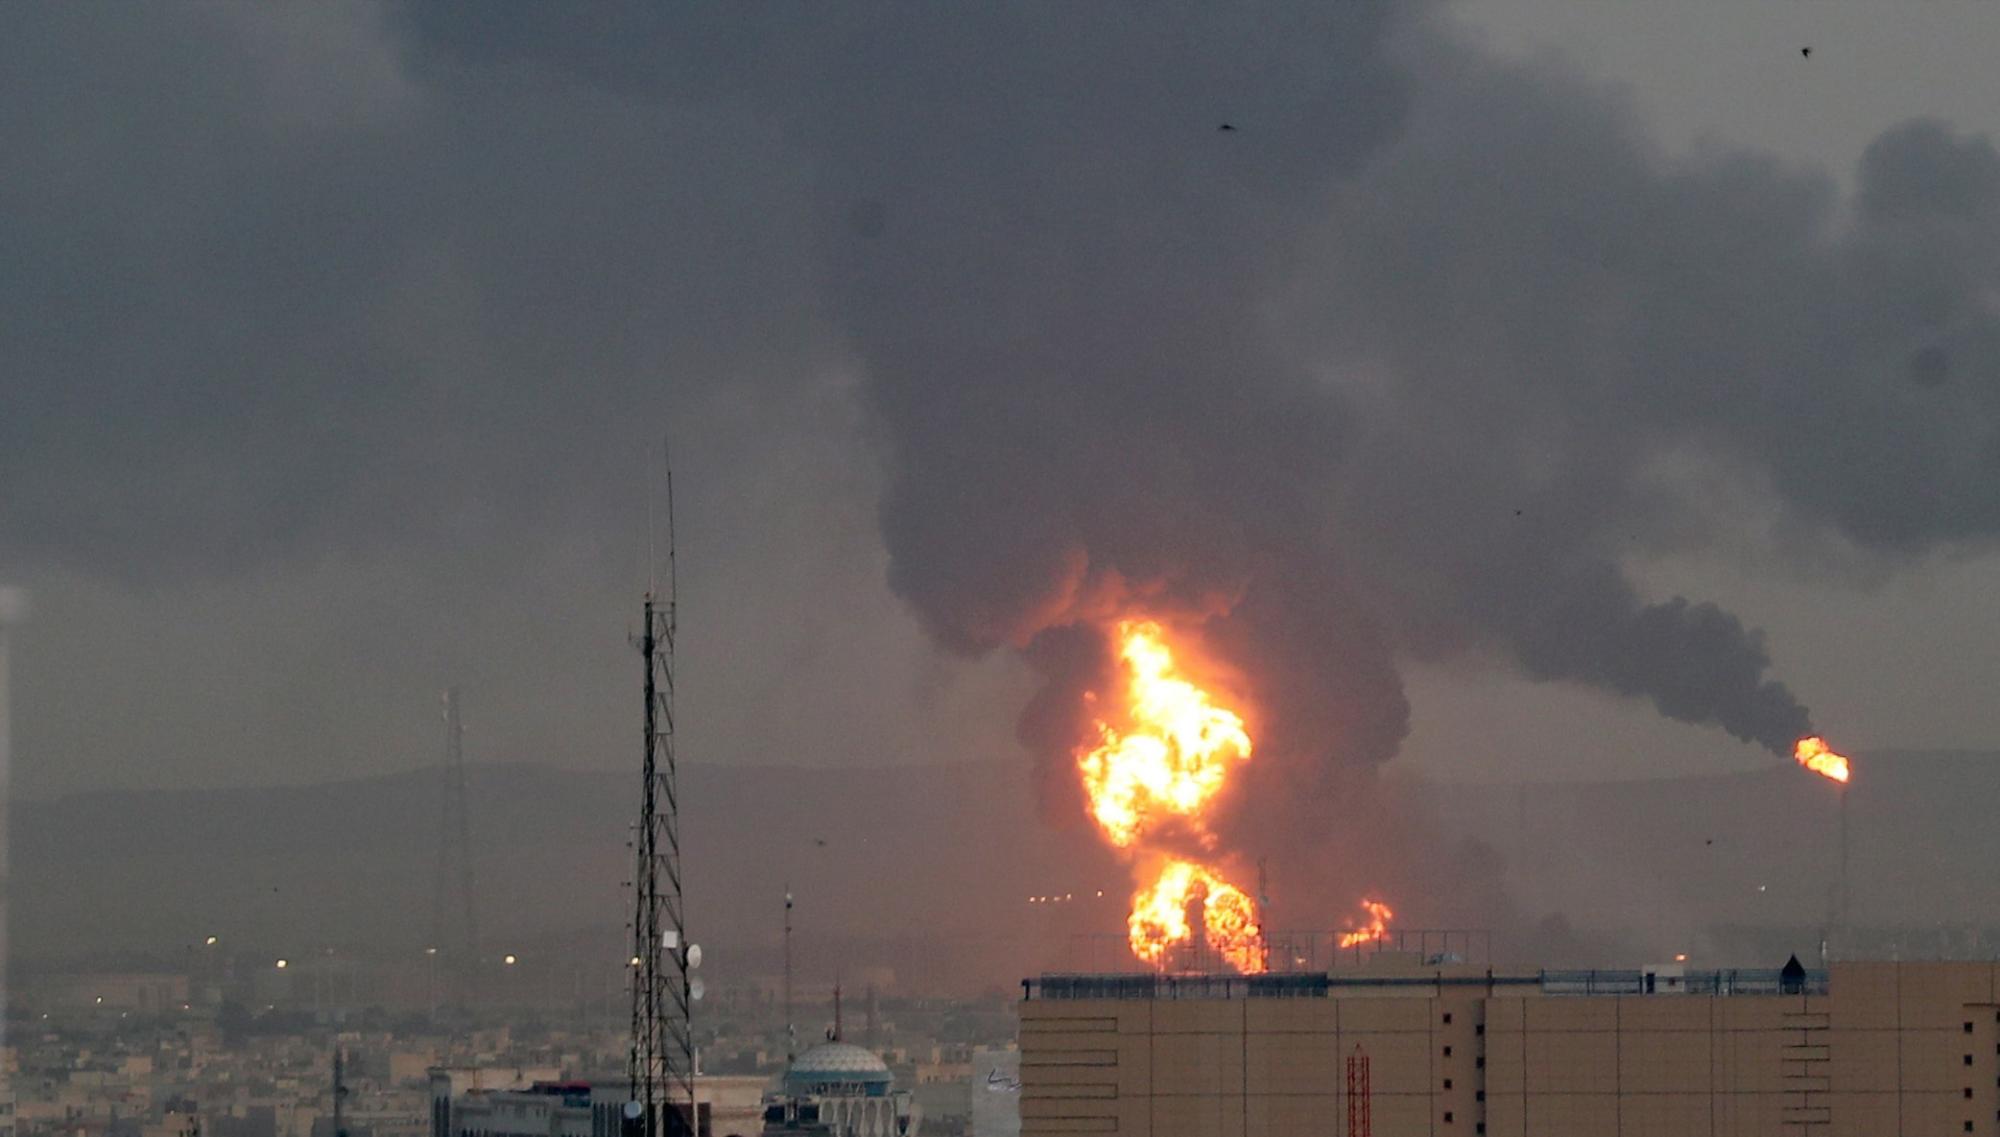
[{"x": 1858, "y": 1050}]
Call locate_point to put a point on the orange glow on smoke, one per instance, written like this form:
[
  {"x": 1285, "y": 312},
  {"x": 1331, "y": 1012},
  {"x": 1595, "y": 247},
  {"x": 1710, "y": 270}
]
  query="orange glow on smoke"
[
  {"x": 1174, "y": 755},
  {"x": 1376, "y": 927},
  {"x": 1815, "y": 755},
  {"x": 1159, "y": 920}
]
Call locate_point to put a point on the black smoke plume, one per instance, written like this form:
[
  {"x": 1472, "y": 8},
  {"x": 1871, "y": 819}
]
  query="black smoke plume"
[{"x": 1406, "y": 365}]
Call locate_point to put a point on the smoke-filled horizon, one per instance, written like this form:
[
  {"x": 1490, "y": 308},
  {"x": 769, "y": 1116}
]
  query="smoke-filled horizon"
[{"x": 1407, "y": 365}]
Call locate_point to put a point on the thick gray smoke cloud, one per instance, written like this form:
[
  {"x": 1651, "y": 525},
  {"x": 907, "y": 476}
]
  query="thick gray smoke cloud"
[
  {"x": 1056, "y": 269},
  {"x": 1112, "y": 377},
  {"x": 1409, "y": 363},
  {"x": 1406, "y": 363},
  {"x": 1518, "y": 347}
]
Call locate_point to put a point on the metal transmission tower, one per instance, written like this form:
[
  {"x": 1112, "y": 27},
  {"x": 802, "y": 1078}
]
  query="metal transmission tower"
[
  {"x": 661, "y": 1063},
  {"x": 454, "y": 871},
  {"x": 1360, "y": 1098}
]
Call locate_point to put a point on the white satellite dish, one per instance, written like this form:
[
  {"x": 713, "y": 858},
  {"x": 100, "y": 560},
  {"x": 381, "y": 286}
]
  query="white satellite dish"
[
  {"x": 633, "y": 1109},
  {"x": 694, "y": 956},
  {"x": 696, "y": 989}
]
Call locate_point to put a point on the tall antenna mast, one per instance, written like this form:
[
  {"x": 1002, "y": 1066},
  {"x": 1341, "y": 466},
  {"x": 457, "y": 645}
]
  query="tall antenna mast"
[
  {"x": 791, "y": 1035},
  {"x": 454, "y": 872},
  {"x": 13, "y": 609},
  {"x": 660, "y": 1065}
]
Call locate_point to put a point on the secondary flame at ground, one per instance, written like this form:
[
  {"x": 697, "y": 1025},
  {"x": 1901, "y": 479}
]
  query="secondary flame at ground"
[
  {"x": 1159, "y": 920},
  {"x": 1815, "y": 755},
  {"x": 1376, "y": 927},
  {"x": 1175, "y": 753}
]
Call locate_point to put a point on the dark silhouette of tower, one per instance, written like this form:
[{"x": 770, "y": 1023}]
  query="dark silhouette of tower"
[
  {"x": 791, "y": 1034},
  {"x": 660, "y": 1065},
  {"x": 454, "y": 928},
  {"x": 339, "y": 1091}
]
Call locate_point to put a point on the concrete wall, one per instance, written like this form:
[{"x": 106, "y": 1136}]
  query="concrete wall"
[{"x": 1910, "y": 1048}]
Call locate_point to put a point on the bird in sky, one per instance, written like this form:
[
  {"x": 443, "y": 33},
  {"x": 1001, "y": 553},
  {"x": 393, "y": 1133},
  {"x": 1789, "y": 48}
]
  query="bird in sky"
[
  {"x": 1225, "y": 126},
  {"x": 1806, "y": 52}
]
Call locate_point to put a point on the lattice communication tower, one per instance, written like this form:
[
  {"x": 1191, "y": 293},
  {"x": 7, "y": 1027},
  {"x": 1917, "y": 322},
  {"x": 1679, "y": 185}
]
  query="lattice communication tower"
[{"x": 660, "y": 1065}]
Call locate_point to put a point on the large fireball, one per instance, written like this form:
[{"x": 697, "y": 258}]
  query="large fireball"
[
  {"x": 1160, "y": 756},
  {"x": 1173, "y": 755}
]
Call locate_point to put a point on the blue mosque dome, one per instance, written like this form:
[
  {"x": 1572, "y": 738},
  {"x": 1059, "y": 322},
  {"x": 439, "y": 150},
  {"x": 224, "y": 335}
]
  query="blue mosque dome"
[{"x": 838, "y": 1069}]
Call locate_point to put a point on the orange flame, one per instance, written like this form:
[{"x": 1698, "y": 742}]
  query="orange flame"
[
  {"x": 1163, "y": 755},
  {"x": 1376, "y": 928},
  {"x": 1174, "y": 756},
  {"x": 1815, "y": 755},
  {"x": 1159, "y": 919}
]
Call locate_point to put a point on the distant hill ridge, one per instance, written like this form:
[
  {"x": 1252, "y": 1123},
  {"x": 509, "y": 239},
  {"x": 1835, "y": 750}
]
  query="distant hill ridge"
[{"x": 926, "y": 855}]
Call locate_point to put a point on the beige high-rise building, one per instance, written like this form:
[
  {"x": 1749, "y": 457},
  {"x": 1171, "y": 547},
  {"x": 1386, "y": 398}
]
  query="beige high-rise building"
[{"x": 1395, "y": 1050}]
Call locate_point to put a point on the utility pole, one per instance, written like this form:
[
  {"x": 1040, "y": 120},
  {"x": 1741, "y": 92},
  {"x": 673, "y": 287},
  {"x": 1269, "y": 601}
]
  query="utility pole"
[
  {"x": 1264, "y": 909},
  {"x": 660, "y": 1065}
]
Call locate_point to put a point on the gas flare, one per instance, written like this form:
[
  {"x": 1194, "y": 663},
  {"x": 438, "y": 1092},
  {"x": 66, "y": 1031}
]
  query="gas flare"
[
  {"x": 1374, "y": 929},
  {"x": 1814, "y": 754},
  {"x": 1174, "y": 754}
]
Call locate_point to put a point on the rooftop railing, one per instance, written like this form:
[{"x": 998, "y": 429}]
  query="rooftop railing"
[{"x": 1320, "y": 985}]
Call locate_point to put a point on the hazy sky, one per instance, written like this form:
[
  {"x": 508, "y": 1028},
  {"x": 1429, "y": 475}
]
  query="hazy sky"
[{"x": 339, "y": 349}]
